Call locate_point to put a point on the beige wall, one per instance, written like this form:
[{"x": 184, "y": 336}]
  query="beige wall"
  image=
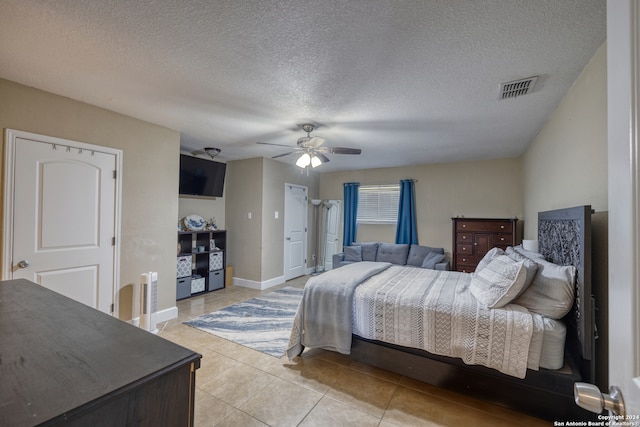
[
  {"x": 149, "y": 186},
  {"x": 566, "y": 166},
  {"x": 256, "y": 245},
  {"x": 276, "y": 175},
  {"x": 205, "y": 207},
  {"x": 243, "y": 194},
  {"x": 489, "y": 188}
]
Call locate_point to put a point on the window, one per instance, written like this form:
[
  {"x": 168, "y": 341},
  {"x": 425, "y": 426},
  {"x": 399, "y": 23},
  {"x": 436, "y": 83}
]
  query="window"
[{"x": 378, "y": 204}]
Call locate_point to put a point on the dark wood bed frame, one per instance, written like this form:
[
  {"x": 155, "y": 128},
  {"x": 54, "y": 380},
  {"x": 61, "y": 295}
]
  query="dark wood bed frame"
[{"x": 564, "y": 237}]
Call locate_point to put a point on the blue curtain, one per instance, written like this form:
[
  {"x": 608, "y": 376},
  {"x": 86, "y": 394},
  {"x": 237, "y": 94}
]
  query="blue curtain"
[
  {"x": 350, "y": 212},
  {"x": 406, "y": 231}
]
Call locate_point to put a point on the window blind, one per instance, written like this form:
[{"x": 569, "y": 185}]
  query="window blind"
[{"x": 378, "y": 204}]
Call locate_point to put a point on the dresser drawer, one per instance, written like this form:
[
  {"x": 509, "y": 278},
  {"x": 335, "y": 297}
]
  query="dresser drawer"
[
  {"x": 502, "y": 240},
  {"x": 464, "y": 248},
  {"x": 465, "y": 269},
  {"x": 468, "y": 260},
  {"x": 491, "y": 226},
  {"x": 464, "y": 237}
]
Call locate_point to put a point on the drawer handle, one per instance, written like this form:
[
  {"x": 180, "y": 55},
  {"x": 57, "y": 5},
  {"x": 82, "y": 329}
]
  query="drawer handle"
[
  {"x": 464, "y": 260},
  {"x": 464, "y": 225},
  {"x": 502, "y": 226},
  {"x": 464, "y": 237},
  {"x": 502, "y": 238}
]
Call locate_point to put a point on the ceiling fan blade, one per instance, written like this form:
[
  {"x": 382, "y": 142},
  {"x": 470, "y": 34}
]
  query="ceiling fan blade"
[
  {"x": 270, "y": 143},
  {"x": 315, "y": 141},
  {"x": 322, "y": 157},
  {"x": 282, "y": 155},
  {"x": 343, "y": 150}
]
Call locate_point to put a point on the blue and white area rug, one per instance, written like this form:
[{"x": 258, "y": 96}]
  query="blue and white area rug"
[{"x": 263, "y": 323}]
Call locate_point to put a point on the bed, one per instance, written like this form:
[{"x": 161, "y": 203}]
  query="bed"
[{"x": 497, "y": 352}]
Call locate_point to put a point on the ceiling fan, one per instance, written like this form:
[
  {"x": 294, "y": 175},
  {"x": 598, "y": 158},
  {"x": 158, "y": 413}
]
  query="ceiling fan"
[
  {"x": 311, "y": 149},
  {"x": 211, "y": 151}
]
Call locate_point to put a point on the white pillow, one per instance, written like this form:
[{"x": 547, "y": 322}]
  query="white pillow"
[
  {"x": 499, "y": 282},
  {"x": 529, "y": 264},
  {"x": 552, "y": 291},
  {"x": 486, "y": 259},
  {"x": 528, "y": 254}
]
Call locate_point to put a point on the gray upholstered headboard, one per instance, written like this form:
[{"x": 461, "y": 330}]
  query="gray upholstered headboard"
[{"x": 564, "y": 238}]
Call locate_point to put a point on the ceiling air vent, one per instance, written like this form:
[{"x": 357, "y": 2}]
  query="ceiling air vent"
[{"x": 517, "y": 87}]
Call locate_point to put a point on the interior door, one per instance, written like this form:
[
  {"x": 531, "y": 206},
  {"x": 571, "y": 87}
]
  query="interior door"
[
  {"x": 332, "y": 212},
  {"x": 295, "y": 231},
  {"x": 60, "y": 224},
  {"x": 623, "y": 92}
]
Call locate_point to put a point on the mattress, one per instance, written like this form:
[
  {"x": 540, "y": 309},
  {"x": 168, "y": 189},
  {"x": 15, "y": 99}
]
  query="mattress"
[{"x": 553, "y": 340}]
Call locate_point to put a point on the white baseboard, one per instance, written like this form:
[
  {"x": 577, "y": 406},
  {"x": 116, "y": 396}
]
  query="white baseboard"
[
  {"x": 167, "y": 314},
  {"x": 237, "y": 281},
  {"x": 161, "y": 316}
]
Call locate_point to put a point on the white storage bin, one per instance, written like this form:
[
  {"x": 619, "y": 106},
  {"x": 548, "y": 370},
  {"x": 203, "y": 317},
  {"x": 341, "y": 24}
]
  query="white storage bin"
[
  {"x": 197, "y": 285},
  {"x": 183, "y": 267},
  {"x": 216, "y": 260}
]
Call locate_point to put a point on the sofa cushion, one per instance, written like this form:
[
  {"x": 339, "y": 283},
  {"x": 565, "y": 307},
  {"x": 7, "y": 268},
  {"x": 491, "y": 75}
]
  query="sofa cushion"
[
  {"x": 393, "y": 253},
  {"x": 369, "y": 250},
  {"x": 431, "y": 260},
  {"x": 353, "y": 253},
  {"x": 418, "y": 253}
]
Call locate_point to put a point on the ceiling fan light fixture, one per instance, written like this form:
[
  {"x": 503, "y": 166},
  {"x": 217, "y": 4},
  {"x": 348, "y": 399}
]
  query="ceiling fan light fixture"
[
  {"x": 304, "y": 160},
  {"x": 212, "y": 151},
  {"x": 315, "y": 161}
]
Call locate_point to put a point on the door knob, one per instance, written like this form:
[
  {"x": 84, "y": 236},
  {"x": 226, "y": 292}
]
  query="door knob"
[
  {"x": 23, "y": 264},
  {"x": 589, "y": 397}
]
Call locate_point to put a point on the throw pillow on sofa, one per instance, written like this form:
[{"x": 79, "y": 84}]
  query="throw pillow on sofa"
[
  {"x": 431, "y": 260},
  {"x": 369, "y": 250},
  {"x": 417, "y": 254},
  {"x": 352, "y": 253},
  {"x": 393, "y": 253}
]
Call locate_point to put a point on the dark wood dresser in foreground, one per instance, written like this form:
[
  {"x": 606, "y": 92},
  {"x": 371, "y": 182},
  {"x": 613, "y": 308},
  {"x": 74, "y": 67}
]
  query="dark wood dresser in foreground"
[
  {"x": 64, "y": 363},
  {"x": 474, "y": 237}
]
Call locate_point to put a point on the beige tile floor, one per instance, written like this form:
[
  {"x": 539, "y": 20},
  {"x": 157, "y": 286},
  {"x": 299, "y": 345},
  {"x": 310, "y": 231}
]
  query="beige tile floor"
[{"x": 237, "y": 386}]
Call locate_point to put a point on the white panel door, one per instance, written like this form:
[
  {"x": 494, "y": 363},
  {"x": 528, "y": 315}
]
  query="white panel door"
[
  {"x": 623, "y": 76},
  {"x": 333, "y": 210},
  {"x": 295, "y": 231},
  {"x": 62, "y": 222}
]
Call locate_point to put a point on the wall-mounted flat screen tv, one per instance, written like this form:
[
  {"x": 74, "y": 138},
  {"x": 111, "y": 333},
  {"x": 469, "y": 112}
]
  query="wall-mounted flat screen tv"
[{"x": 201, "y": 177}]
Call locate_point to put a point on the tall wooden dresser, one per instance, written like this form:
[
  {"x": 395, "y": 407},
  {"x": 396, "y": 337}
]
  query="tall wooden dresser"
[{"x": 474, "y": 237}]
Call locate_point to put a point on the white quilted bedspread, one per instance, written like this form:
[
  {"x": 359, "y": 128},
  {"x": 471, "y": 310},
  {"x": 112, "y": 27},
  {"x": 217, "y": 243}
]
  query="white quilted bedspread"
[{"x": 435, "y": 311}]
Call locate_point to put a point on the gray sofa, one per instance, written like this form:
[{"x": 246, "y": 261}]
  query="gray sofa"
[{"x": 400, "y": 254}]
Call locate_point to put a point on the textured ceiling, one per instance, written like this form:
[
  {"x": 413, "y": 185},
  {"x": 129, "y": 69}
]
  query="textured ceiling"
[{"x": 408, "y": 82}]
